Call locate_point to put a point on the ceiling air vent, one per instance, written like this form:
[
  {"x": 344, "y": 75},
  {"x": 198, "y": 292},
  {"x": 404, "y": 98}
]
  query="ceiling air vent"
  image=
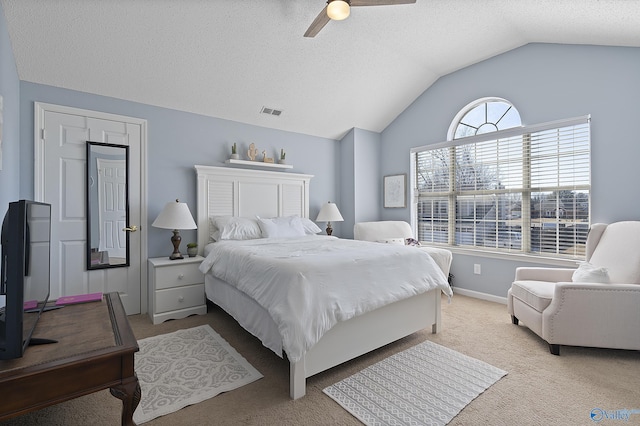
[{"x": 271, "y": 111}]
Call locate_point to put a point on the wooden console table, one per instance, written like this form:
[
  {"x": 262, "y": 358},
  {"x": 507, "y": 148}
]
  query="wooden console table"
[{"x": 95, "y": 351}]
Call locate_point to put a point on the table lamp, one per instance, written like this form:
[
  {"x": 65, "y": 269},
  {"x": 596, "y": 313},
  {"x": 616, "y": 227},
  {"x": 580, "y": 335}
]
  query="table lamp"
[
  {"x": 329, "y": 213},
  {"x": 175, "y": 216}
]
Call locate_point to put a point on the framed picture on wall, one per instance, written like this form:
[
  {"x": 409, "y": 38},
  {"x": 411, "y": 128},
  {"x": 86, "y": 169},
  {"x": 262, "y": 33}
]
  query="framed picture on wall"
[{"x": 395, "y": 194}]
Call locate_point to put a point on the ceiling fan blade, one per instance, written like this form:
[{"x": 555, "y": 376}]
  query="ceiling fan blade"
[
  {"x": 318, "y": 23},
  {"x": 380, "y": 2}
]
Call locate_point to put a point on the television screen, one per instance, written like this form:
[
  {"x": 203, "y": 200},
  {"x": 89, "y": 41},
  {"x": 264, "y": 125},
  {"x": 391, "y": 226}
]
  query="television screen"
[{"x": 26, "y": 234}]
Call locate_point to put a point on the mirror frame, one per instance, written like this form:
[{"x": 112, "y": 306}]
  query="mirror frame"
[{"x": 92, "y": 187}]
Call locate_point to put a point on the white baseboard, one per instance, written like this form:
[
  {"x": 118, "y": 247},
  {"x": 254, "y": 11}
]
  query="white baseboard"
[{"x": 478, "y": 295}]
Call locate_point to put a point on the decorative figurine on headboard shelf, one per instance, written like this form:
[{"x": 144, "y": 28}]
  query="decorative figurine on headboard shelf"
[
  {"x": 266, "y": 159},
  {"x": 253, "y": 152}
]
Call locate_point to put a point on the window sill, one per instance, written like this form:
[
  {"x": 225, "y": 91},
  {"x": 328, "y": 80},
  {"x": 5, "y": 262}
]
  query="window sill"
[{"x": 513, "y": 257}]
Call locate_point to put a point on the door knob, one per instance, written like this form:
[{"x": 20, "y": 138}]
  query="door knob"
[{"x": 132, "y": 228}]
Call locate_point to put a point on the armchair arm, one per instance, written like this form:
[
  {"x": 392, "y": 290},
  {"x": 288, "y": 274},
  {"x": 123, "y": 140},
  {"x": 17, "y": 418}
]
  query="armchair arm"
[
  {"x": 593, "y": 314},
  {"x": 441, "y": 256},
  {"x": 553, "y": 275}
]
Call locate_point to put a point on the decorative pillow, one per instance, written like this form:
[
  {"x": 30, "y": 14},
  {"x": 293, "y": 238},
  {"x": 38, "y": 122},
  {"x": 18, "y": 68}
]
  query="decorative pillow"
[
  {"x": 411, "y": 242},
  {"x": 234, "y": 228},
  {"x": 310, "y": 228},
  {"x": 399, "y": 241},
  {"x": 588, "y": 273},
  {"x": 281, "y": 227}
]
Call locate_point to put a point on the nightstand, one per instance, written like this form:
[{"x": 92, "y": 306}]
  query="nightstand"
[{"x": 176, "y": 288}]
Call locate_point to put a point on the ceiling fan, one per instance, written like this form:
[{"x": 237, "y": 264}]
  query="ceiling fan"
[{"x": 339, "y": 10}]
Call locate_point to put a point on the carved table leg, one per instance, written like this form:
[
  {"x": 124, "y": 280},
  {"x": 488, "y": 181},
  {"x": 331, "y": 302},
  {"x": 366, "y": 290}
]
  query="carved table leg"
[{"x": 130, "y": 393}]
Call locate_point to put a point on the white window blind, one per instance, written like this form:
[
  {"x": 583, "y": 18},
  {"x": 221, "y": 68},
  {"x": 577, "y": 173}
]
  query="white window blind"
[{"x": 524, "y": 189}]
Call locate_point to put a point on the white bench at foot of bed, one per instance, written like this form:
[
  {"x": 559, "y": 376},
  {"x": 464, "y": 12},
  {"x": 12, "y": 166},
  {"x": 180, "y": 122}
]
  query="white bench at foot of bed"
[{"x": 364, "y": 333}]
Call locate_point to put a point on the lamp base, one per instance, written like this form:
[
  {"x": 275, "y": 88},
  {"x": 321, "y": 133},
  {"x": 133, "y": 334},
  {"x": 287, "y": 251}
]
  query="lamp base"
[
  {"x": 175, "y": 240},
  {"x": 329, "y": 228}
]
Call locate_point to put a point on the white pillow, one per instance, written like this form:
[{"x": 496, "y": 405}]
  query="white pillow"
[
  {"x": 235, "y": 228},
  {"x": 399, "y": 241},
  {"x": 215, "y": 224},
  {"x": 241, "y": 228},
  {"x": 588, "y": 273},
  {"x": 281, "y": 227},
  {"x": 310, "y": 228}
]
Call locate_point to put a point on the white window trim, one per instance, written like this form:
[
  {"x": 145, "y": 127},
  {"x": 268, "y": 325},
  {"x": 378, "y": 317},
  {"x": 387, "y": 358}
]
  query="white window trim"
[
  {"x": 519, "y": 257},
  {"x": 507, "y": 133},
  {"x": 464, "y": 111}
]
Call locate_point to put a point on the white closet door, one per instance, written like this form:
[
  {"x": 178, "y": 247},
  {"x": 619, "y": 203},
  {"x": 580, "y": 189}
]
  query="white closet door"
[{"x": 60, "y": 179}]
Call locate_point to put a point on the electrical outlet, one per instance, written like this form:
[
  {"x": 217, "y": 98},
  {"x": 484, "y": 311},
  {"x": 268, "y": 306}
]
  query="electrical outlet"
[{"x": 476, "y": 269}]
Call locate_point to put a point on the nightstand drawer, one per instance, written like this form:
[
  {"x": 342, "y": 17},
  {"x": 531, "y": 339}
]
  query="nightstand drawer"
[
  {"x": 178, "y": 276},
  {"x": 179, "y": 298}
]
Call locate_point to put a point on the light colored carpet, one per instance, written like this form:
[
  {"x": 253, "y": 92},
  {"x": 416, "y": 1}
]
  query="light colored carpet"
[
  {"x": 540, "y": 389},
  {"x": 427, "y": 384},
  {"x": 186, "y": 367}
]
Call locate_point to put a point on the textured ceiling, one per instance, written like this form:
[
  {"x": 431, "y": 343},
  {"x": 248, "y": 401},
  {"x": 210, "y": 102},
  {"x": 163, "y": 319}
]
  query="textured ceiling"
[{"x": 229, "y": 58}]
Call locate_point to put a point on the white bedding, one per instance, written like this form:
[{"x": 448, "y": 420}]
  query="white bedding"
[{"x": 308, "y": 284}]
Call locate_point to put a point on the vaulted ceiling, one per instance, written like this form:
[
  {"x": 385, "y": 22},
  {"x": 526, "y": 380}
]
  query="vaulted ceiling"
[{"x": 231, "y": 58}]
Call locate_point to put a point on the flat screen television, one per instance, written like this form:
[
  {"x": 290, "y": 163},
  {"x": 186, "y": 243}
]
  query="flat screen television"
[{"x": 24, "y": 285}]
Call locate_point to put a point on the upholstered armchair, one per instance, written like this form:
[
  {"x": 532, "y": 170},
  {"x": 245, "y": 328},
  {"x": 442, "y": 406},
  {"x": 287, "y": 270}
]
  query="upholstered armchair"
[
  {"x": 390, "y": 230},
  {"x": 561, "y": 307}
]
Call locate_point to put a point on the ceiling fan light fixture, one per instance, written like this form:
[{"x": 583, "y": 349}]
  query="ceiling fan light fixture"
[{"x": 338, "y": 10}]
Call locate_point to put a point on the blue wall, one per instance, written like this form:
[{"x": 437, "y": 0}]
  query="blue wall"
[
  {"x": 545, "y": 82},
  {"x": 10, "y": 91},
  {"x": 367, "y": 199},
  {"x": 360, "y": 191},
  {"x": 176, "y": 142},
  {"x": 346, "y": 203}
]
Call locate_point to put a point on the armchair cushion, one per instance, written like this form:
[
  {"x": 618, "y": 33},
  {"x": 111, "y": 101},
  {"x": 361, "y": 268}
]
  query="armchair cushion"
[{"x": 537, "y": 294}]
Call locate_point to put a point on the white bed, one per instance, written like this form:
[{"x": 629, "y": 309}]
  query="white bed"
[{"x": 247, "y": 193}]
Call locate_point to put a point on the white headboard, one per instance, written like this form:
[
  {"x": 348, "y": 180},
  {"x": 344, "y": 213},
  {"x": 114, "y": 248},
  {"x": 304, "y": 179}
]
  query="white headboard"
[{"x": 247, "y": 193}]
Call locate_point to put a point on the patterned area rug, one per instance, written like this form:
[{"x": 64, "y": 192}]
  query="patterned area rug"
[
  {"x": 424, "y": 385},
  {"x": 186, "y": 367}
]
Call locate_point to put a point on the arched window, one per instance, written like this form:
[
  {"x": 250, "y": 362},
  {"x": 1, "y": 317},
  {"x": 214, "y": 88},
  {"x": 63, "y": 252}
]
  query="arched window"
[{"x": 484, "y": 116}]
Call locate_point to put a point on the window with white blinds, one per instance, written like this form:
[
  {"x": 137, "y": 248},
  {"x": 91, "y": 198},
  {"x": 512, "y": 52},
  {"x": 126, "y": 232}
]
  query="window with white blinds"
[{"x": 523, "y": 189}]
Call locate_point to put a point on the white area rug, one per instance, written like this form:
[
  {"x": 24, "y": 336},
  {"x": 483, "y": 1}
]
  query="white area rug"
[
  {"x": 186, "y": 367},
  {"x": 424, "y": 385}
]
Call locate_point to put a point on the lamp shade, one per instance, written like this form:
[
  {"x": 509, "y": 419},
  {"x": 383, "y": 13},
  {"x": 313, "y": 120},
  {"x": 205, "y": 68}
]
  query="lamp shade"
[
  {"x": 175, "y": 215},
  {"x": 338, "y": 10},
  {"x": 329, "y": 213}
]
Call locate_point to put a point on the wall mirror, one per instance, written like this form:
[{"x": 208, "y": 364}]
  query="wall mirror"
[{"x": 107, "y": 201}]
